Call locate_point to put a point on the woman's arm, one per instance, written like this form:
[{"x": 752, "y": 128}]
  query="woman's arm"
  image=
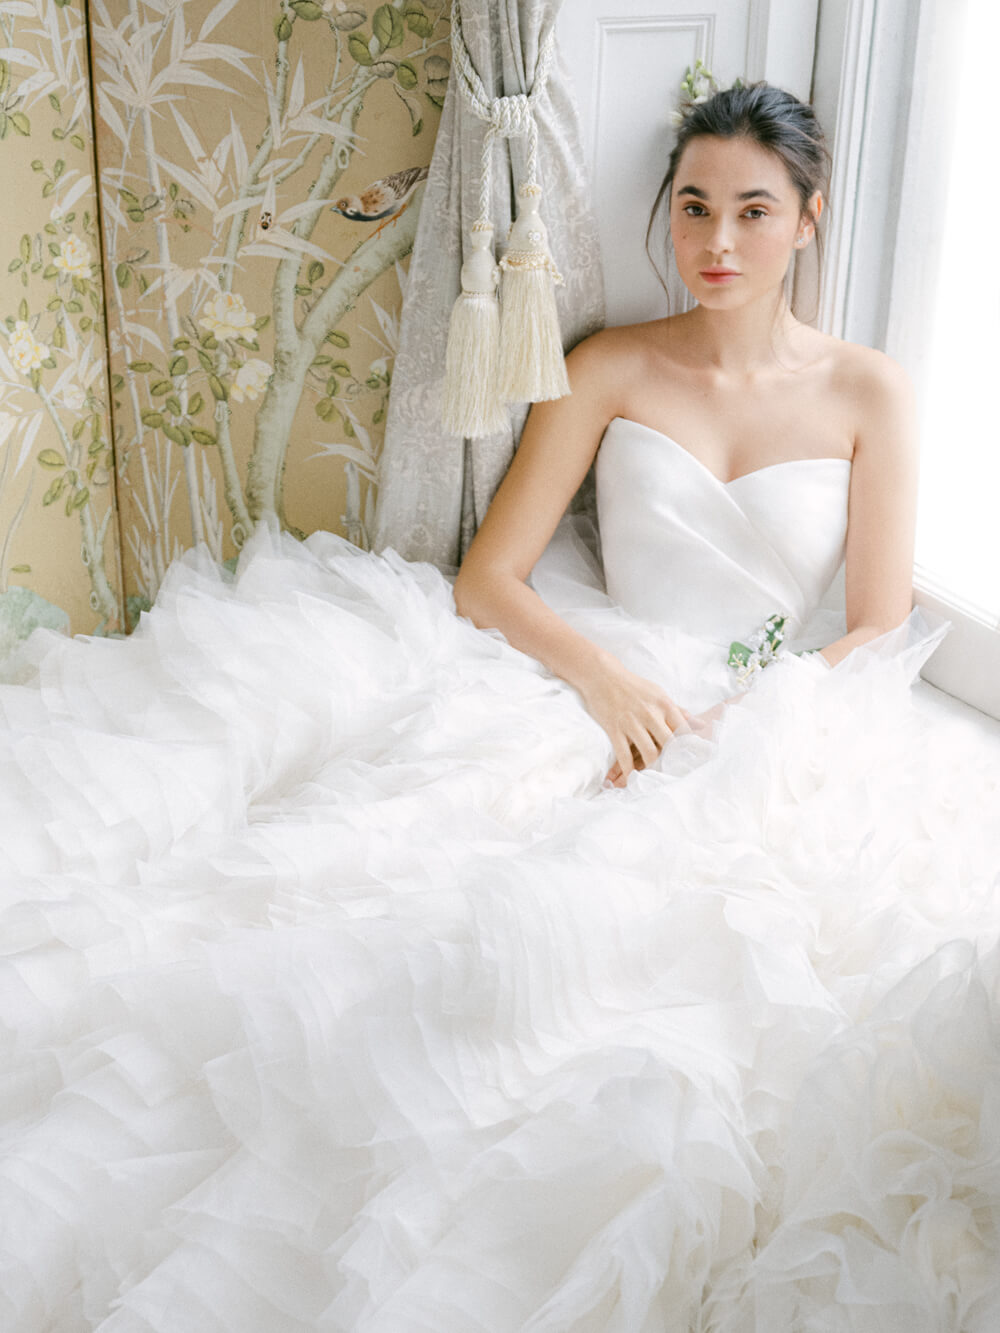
[
  {"x": 558, "y": 444},
  {"x": 882, "y": 507}
]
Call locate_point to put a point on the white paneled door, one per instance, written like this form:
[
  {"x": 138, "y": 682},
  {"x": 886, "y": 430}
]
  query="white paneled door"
[{"x": 626, "y": 59}]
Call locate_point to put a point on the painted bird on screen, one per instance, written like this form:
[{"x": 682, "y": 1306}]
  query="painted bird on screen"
[{"x": 385, "y": 198}]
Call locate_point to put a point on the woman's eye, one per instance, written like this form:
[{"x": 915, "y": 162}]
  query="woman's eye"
[
  {"x": 756, "y": 213},
  {"x": 698, "y": 214}
]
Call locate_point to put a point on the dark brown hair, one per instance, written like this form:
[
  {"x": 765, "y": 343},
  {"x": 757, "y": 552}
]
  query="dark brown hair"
[{"x": 764, "y": 115}]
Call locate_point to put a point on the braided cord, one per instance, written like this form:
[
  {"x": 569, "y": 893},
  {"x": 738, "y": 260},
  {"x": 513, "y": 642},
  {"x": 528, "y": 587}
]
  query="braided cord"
[{"x": 505, "y": 117}]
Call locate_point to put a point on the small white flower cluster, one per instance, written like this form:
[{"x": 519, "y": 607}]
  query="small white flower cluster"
[
  {"x": 763, "y": 648},
  {"x": 697, "y": 86}
]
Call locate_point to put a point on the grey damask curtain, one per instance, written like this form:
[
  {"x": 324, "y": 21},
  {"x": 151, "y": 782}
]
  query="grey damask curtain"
[{"x": 434, "y": 488}]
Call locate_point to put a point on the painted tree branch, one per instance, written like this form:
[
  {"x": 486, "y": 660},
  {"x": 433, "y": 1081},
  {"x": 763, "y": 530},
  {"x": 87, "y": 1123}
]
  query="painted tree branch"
[{"x": 291, "y": 364}]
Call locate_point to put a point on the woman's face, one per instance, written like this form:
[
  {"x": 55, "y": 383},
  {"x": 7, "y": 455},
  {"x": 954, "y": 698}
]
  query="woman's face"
[{"x": 735, "y": 220}]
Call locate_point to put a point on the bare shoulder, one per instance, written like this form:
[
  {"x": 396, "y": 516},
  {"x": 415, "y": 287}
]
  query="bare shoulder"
[
  {"x": 876, "y": 383},
  {"x": 879, "y": 401},
  {"x": 608, "y": 362}
]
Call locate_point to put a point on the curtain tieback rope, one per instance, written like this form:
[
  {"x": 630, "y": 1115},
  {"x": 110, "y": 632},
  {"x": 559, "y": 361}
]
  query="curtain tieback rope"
[{"x": 510, "y": 353}]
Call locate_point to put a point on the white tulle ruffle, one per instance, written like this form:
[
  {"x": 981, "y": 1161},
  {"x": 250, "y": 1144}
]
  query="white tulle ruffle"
[{"x": 338, "y": 993}]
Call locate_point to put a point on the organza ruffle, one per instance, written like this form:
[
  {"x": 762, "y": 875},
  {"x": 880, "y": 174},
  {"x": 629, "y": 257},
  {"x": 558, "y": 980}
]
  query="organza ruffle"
[{"x": 338, "y": 993}]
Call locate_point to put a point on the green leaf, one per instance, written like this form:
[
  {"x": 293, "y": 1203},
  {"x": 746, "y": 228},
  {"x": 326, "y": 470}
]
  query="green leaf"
[
  {"x": 358, "y": 48},
  {"x": 38, "y": 165},
  {"x": 136, "y": 214},
  {"x": 349, "y": 19},
  {"x": 387, "y": 25},
  {"x": 203, "y": 436},
  {"x": 81, "y": 499},
  {"x": 178, "y": 365},
  {"x": 219, "y": 390},
  {"x": 419, "y": 23},
  {"x": 49, "y": 272},
  {"x": 22, "y": 310},
  {"x": 123, "y": 275},
  {"x": 435, "y": 101},
  {"x": 406, "y": 75},
  {"x": 79, "y": 426},
  {"x": 26, "y": 247},
  {"x": 20, "y": 569},
  {"x": 173, "y": 404},
  {"x": 340, "y": 368},
  {"x": 418, "y": 125},
  {"x": 377, "y": 416},
  {"x": 316, "y": 270},
  {"x": 182, "y": 343},
  {"x": 325, "y": 409},
  {"x": 134, "y": 607},
  {"x": 59, "y": 336},
  {"x": 322, "y": 360},
  {"x": 338, "y": 339},
  {"x": 160, "y": 387},
  {"x": 283, "y": 28},
  {"x": 196, "y": 404},
  {"x": 58, "y": 167},
  {"x": 141, "y": 367},
  {"x": 51, "y": 458},
  {"x": 77, "y": 140},
  {"x": 176, "y": 434},
  {"x": 14, "y": 265},
  {"x": 332, "y": 386},
  {"x": 154, "y": 420},
  {"x": 48, "y": 188},
  {"x": 384, "y": 69},
  {"x": 262, "y": 322},
  {"x": 206, "y": 361},
  {"x": 307, "y": 9},
  {"x": 21, "y": 122},
  {"x": 129, "y": 199}
]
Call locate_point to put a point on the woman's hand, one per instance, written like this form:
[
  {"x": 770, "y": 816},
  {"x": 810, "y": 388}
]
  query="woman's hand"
[{"x": 637, "y": 714}]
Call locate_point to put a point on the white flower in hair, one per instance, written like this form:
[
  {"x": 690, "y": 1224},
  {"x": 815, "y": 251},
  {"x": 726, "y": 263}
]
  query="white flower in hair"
[{"x": 698, "y": 85}]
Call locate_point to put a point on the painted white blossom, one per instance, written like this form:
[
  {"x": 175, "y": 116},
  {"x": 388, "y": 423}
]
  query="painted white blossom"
[
  {"x": 378, "y": 366},
  {"x": 74, "y": 397},
  {"x": 226, "y": 316},
  {"x": 26, "y": 352},
  {"x": 249, "y": 381},
  {"x": 74, "y": 257}
]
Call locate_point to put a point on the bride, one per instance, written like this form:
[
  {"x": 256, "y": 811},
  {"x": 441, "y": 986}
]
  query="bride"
[
  {"x": 366, "y": 969},
  {"x": 738, "y": 380}
]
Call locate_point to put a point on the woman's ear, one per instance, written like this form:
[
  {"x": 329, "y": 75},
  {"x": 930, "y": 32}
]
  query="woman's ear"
[{"x": 810, "y": 217}]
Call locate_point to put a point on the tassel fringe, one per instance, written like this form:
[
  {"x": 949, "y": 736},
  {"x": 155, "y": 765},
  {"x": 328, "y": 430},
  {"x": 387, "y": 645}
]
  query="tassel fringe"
[
  {"x": 471, "y": 406},
  {"x": 532, "y": 367}
]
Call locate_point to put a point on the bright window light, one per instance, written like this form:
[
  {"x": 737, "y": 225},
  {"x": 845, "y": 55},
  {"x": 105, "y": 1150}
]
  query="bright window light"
[{"x": 960, "y": 460}]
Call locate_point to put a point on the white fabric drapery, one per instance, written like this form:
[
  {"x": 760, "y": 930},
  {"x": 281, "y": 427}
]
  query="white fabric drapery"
[{"x": 434, "y": 488}]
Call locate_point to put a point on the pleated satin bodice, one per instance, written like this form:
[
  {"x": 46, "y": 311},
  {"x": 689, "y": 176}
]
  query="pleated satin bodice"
[{"x": 715, "y": 558}]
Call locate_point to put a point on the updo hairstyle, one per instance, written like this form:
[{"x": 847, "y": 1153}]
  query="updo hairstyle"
[{"x": 765, "y": 115}]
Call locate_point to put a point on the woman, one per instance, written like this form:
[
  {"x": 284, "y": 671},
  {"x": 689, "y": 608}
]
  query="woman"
[
  {"x": 738, "y": 379},
  {"x": 337, "y": 992}
]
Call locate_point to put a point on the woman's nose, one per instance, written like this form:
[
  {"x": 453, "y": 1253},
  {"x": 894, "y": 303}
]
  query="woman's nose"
[{"x": 720, "y": 239}]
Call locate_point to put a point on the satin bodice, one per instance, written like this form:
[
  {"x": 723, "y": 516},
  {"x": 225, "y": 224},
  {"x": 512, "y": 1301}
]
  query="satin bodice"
[{"x": 715, "y": 558}]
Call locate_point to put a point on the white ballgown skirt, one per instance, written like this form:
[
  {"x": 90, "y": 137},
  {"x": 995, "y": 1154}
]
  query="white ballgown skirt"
[{"x": 339, "y": 993}]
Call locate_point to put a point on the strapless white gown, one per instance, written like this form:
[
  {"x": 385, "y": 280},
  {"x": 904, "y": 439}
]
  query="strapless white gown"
[{"x": 337, "y": 993}]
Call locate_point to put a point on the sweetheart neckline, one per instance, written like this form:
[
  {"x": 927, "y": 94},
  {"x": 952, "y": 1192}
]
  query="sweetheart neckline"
[{"x": 768, "y": 467}]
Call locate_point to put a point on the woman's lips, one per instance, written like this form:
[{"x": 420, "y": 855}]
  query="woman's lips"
[{"x": 719, "y": 275}]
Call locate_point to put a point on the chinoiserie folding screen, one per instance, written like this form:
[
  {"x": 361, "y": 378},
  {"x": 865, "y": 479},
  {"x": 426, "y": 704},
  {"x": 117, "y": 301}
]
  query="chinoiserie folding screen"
[{"x": 202, "y": 259}]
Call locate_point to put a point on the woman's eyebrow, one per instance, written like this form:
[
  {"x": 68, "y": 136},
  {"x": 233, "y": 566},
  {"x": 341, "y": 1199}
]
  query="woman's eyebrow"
[{"x": 745, "y": 194}]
